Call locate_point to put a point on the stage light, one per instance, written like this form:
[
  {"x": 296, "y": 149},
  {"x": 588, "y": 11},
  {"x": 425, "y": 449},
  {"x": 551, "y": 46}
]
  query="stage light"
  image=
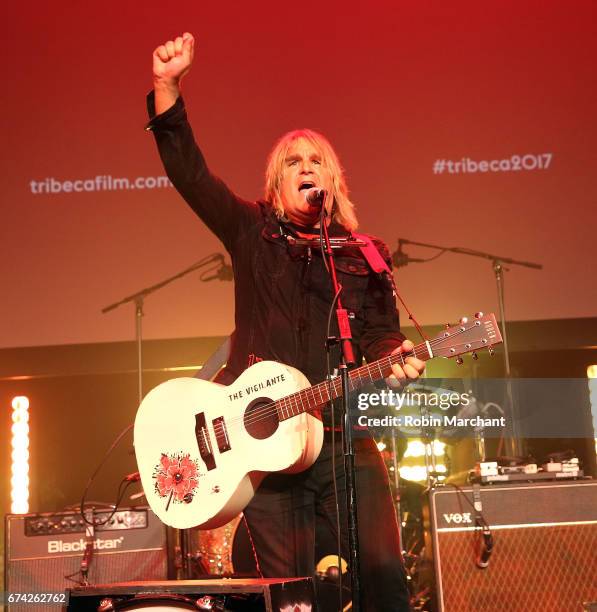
[
  {"x": 20, "y": 416},
  {"x": 19, "y": 481},
  {"x": 592, "y": 376},
  {"x": 20, "y": 402},
  {"x": 19, "y": 507},
  {"x": 20, "y": 455},
  {"x": 414, "y": 463},
  {"x": 418, "y": 473},
  {"x": 20, "y": 434},
  {"x": 415, "y": 448},
  {"x": 439, "y": 448}
]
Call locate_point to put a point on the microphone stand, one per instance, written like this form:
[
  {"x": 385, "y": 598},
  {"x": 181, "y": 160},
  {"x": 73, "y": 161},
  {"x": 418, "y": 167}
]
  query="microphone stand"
[
  {"x": 347, "y": 359},
  {"x": 498, "y": 270},
  {"x": 397, "y": 498},
  {"x": 139, "y": 297}
]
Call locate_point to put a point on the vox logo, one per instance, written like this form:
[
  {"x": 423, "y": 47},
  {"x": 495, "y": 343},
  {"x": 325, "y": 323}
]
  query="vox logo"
[{"x": 458, "y": 518}]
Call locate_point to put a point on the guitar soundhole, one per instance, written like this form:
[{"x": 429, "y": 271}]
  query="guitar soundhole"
[{"x": 260, "y": 420}]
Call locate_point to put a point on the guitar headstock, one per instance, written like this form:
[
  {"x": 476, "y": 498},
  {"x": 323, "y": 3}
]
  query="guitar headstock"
[{"x": 482, "y": 331}]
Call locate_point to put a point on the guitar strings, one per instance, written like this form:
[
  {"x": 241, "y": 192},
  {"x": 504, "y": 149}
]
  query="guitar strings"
[
  {"x": 291, "y": 401},
  {"x": 294, "y": 400},
  {"x": 268, "y": 410}
]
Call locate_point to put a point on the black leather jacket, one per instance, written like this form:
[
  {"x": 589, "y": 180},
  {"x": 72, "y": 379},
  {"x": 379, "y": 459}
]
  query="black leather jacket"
[{"x": 282, "y": 292}]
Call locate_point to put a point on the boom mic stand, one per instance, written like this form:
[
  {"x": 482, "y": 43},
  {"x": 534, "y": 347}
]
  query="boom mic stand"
[
  {"x": 223, "y": 272},
  {"x": 498, "y": 270},
  {"x": 347, "y": 359}
]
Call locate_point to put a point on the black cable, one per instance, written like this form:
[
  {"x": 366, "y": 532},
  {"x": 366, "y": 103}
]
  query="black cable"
[
  {"x": 482, "y": 529},
  {"x": 470, "y": 503},
  {"x": 332, "y": 408},
  {"x": 96, "y": 523},
  {"x": 322, "y": 216},
  {"x": 333, "y": 426},
  {"x": 442, "y": 251},
  {"x": 99, "y": 467}
]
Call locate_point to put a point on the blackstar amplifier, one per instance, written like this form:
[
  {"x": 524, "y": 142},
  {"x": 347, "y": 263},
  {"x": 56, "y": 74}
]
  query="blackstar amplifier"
[
  {"x": 544, "y": 554},
  {"x": 43, "y": 552}
]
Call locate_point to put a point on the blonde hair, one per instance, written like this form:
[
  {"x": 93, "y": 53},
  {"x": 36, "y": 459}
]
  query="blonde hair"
[{"x": 343, "y": 209}]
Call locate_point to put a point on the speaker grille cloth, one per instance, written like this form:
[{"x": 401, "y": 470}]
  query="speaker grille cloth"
[
  {"x": 49, "y": 575},
  {"x": 543, "y": 569}
]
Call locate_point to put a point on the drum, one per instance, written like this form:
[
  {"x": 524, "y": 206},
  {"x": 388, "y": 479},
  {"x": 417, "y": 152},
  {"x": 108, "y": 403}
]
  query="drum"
[
  {"x": 225, "y": 551},
  {"x": 327, "y": 572},
  {"x": 157, "y": 603}
]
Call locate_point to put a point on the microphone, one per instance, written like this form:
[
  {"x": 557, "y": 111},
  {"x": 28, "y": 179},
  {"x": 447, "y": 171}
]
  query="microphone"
[
  {"x": 225, "y": 272},
  {"x": 401, "y": 259},
  {"x": 485, "y": 547},
  {"x": 315, "y": 197}
]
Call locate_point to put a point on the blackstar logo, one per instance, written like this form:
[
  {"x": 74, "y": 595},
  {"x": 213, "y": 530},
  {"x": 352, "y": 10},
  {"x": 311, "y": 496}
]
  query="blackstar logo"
[
  {"x": 458, "y": 518},
  {"x": 60, "y": 546}
]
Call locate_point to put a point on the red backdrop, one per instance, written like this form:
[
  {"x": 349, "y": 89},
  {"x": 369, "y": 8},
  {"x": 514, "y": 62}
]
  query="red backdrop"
[{"x": 395, "y": 86}]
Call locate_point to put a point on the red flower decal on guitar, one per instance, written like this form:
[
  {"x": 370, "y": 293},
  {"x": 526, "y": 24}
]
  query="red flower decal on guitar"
[{"x": 176, "y": 476}]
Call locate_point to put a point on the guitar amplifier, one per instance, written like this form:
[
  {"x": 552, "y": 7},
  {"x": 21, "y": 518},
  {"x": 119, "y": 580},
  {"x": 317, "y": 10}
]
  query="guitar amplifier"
[
  {"x": 43, "y": 552},
  {"x": 544, "y": 554}
]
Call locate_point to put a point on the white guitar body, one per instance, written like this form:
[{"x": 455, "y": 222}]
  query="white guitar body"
[{"x": 202, "y": 451}]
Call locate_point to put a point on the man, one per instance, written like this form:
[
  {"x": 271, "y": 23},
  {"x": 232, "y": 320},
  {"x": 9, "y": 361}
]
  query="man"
[{"x": 283, "y": 295}]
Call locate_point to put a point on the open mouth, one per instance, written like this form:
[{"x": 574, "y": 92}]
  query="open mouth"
[{"x": 306, "y": 185}]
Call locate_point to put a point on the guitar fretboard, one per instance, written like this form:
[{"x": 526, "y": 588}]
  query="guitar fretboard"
[{"x": 318, "y": 395}]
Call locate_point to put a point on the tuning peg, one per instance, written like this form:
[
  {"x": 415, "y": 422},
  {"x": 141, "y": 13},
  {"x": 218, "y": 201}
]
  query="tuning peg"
[
  {"x": 491, "y": 351},
  {"x": 463, "y": 320},
  {"x": 459, "y": 360},
  {"x": 475, "y": 356},
  {"x": 478, "y": 315}
]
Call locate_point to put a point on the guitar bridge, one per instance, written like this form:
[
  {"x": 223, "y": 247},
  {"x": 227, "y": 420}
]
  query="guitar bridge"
[
  {"x": 222, "y": 439},
  {"x": 203, "y": 441}
]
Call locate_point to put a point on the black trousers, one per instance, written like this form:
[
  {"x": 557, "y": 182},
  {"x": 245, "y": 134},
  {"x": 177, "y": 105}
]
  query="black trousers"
[{"x": 282, "y": 517}]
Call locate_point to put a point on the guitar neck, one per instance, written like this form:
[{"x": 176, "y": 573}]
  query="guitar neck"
[
  {"x": 481, "y": 333},
  {"x": 313, "y": 397}
]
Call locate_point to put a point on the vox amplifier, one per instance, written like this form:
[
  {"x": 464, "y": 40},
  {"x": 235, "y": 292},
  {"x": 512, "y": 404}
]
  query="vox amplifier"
[{"x": 543, "y": 553}]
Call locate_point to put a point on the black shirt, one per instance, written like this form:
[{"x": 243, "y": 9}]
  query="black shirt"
[{"x": 283, "y": 293}]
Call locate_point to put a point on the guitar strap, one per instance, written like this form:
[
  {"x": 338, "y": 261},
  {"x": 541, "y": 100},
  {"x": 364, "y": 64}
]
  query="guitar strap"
[
  {"x": 215, "y": 361},
  {"x": 219, "y": 358},
  {"x": 379, "y": 265},
  {"x": 373, "y": 257}
]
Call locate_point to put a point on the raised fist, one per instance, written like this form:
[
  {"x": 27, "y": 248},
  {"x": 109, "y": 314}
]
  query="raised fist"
[{"x": 173, "y": 59}]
